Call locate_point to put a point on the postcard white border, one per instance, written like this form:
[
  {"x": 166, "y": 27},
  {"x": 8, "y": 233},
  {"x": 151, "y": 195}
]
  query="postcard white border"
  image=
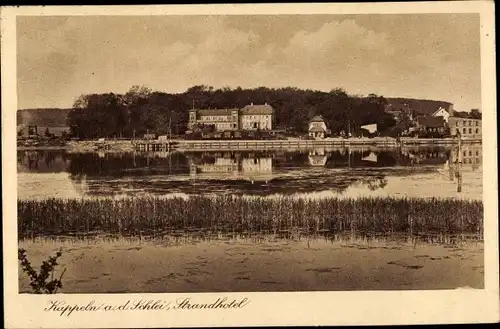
[{"x": 297, "y": 308}]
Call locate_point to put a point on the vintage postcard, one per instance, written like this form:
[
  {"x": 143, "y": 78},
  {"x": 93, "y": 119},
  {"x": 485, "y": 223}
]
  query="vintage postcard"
[{"x": 243, "y": 165}]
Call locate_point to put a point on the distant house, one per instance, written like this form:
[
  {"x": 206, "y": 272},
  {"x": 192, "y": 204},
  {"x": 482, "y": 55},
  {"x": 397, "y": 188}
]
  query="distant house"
[
  {"x": 250, "y": 117},
  {"x": 37, "y": 122},
  {"x": 431, "y": 125},
  {"x": 253, "y": 117},
  {"x": 465, "y": 127},
  {"x": 26, "y": 131},
  {"x": 317, "y": 127},
  {"x": 442, "y": 112}
]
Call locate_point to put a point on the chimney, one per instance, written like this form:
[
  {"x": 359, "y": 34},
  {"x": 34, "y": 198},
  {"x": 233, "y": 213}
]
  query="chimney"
[{"x": 451, "y": 110}]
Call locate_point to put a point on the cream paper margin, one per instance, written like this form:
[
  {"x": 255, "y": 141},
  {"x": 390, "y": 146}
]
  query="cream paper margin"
[{"x": 270, "y": 308}]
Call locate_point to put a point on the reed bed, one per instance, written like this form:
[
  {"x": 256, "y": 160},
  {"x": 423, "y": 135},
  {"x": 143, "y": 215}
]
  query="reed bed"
[{"x": 203, "y": 216}]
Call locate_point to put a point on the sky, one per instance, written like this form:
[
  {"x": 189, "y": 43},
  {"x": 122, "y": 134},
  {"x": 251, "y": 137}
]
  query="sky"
[{"x": 428, "y": 56}]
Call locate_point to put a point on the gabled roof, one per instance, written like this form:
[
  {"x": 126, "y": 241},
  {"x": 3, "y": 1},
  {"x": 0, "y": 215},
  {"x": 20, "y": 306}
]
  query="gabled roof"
[
  {"x": 317, "y": 118},
  {"x": 316, "y": 129},
  {"x": 431, "y": 122},
  {"x": 439, "y": 109},
  {"x": 257, "y": 109}
]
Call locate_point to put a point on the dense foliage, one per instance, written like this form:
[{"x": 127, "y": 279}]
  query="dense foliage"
[
  {"x": 141, "y": 110},
  {"x": 473, "y": 114}
]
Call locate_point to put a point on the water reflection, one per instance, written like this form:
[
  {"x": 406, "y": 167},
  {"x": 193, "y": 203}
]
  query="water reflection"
[
  {"x": 187, "y": 236},
  {"x": 229, "y": 165},
  {"x": 341, "y": 171}
]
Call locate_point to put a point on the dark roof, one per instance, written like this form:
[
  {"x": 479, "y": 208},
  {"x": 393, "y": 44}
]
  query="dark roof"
[
  {"x": 431, "y": 122},
  {"x": 317, "y": 118},
  {"x": 215, "y": 111},
  {"x": 420, "y": 106},
  {"x": 257, "y": 109}
]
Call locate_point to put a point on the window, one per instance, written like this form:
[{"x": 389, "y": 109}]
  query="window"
[
  {"x": 465, "y": 130},
  {"x": 465, "y": 153},
  {"x": 477, "y": 152},
  {"x": 477, "y": 123},
  {"x": 477, "y": 130},
  {"x": 470, "y": 130},
  {"x": 470, "y": 123},
  {"x": 463, "y": 121},
  {"x": 470, "y": 153}
]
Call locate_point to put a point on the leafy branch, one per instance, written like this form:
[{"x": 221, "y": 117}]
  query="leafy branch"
[{"x": 39, "y": 283}]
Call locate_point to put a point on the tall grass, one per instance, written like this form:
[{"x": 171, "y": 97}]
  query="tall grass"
[{"x": 152, "y": 216}]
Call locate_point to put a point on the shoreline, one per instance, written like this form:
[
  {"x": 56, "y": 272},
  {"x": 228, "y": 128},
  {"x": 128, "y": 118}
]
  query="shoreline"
[{"x": 187, "y": 145}]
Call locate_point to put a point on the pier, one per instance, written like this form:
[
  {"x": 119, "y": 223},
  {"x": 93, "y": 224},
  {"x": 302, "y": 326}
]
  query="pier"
[
  {"x": 310, "y": 144},
  {"x": 166, "y": 145},
  {"x": 271, "y": 144},
  {"x": 152, "y": 145}
]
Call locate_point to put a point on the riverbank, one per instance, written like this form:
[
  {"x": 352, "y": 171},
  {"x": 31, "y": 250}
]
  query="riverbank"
[
  {"x": 186, "y": 145},
  {"x": 265, "y": 265}
]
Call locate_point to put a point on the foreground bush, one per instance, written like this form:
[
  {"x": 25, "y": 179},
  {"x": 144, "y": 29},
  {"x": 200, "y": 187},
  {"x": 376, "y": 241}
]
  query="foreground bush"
[{"x": 39, "y": 281}]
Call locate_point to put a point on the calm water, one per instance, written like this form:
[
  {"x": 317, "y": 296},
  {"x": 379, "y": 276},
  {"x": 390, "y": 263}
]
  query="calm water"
[{"x": 413, "y": 172}]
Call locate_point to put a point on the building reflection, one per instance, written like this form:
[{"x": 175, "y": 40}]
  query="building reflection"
[
  {"x": 317, "y": 157},
  {"x": 471, "y": 154},
  {"x": 462, "y": 158},
  {"x": 430, "y": 157},
  {"x": 248, "y": 166},
  {"x": 371, "y": 157},
  {"x": 252, "y": 171},
  {"x": 41, "y": 161}
]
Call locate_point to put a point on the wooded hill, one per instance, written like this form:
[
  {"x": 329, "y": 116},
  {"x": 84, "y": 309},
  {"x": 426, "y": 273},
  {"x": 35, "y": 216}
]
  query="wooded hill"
[
  {"x": 141, "y": 110},
  {"x": 46, "y": 117},
  {"x": 420, "y": 106}
]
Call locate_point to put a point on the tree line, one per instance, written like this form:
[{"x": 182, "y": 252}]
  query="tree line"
[{"x": 141, "y": 111}]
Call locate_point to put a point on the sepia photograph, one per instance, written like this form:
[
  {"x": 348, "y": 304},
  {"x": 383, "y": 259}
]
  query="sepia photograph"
[{"x": 233, "y": 153}]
